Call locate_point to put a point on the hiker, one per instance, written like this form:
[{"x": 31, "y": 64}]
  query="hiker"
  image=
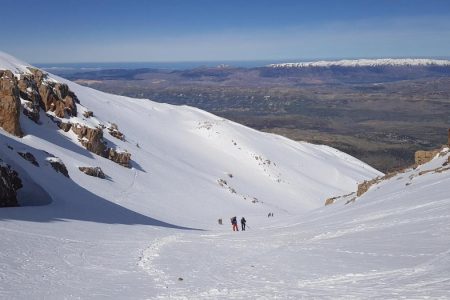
[
  {"x": 268, "y": 215},
  {"x": 219, "y": 221},
  {"x": 234, "y": 223},
  {"x": 243, "y": 221}
]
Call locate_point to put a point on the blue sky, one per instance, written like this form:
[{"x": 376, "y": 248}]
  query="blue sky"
[{"x": 138, "y": 30}]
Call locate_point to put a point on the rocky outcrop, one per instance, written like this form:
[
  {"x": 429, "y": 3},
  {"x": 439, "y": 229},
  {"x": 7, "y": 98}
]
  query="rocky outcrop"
[
  {"x": 349, "y": 197},
  {"x": 58, "y": 165},
  {"x": 87, "y": 114},
  {"x": 421, "y": 157},
  {"x": 330, "y": 201},
  {"x": 38, "y": 92},
  {"x": 29, "y": 157},
  {"x": 122, "y": 158},
  {"x": 114, "y": 131},
  {"x": 9, "y": 184},
  {"x": 93, "y": 171},
  {"x": 54, "y": 97},
  {"x": 65, "y": 126},
  {"x": 9, "y": 103},
  {"x": 28, "y": 90},
  {"x": 90, "y": 138},
  {"x": 57, "y": 98}
]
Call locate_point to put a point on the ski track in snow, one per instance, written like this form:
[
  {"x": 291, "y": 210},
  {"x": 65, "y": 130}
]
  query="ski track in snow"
[{"x": 148, "y": 257}]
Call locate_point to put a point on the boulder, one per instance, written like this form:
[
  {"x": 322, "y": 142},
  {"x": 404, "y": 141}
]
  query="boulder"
[
  {"x": 330, "y": 201},
  {"x": 9, "y": 184},
  {"x": 31, "y": 111},
  {"x": 422, "y": 156},
  {"x": 38, "y": 75},
  {"x": 122, "y": 158},
  {"x": 114, "y": 131},
  {"x": 65, "y": 126},
  {"x": 87, "y": 114},
  {"x": 29, "y": 157},
  {"x": 57, "y": 97},
  {"x": 9, "y": 103},
  {"x": 93, "y": 171},
  {"x": 58, "y": 165},
  {"x": 90, "y": 138}
]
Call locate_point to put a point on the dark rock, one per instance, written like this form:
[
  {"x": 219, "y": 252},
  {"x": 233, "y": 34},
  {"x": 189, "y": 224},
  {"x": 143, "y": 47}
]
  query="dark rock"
[
  {"x": 88, "y": 114},
  {"x": 90, "y": 138},
  {"x": 57, "y": 98},
  {"x": 32, "y": 112},
  {"x": 122, "y": 158},
  {"x": 65, "y": 126},
  {"x": 93, "y": 171},
  {"x": 29, "y": 91},
  {"x": 114, "y": 131},
  {"x": 29, "y": 157},
  {"x": 38, "y": 75},
  {"x": 9, "y": 103},
  {"x": 9, "y": 184},
  {"x": 58, "y": 165}
]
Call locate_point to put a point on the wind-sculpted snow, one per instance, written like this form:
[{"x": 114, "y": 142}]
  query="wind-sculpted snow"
[{"x": 131, "y": 234}]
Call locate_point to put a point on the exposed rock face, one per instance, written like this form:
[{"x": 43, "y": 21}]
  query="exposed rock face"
[
  {"x": 422, "y": 157},
  {"x": 364, "y": 187},
  {"x": 9, "y": 103},
  {"x": 29, "y": 91},
  {"x": 65, "y": 126},
  {"x": 58, "y": 165},
  {"x": 114, "y": 131},
  {"x": 38, "y": 92},
  {"x": 122, "y": 158},
  {"x": 93, "y": 171},
  {"x": 87, "y": 114},
  {"x": 330, "y": 201},
  {"x": 9, "y": 184},
  {"x": 55, "y": 97},
  {"x": 29, "y": 157},
  {"x": 90, "y": 138}
]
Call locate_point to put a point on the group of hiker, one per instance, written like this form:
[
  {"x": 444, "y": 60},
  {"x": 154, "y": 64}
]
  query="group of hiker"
[{"x": 235, "y": 224}]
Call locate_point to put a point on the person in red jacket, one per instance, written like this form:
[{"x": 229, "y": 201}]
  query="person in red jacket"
[{"x": 234, "y": 223}]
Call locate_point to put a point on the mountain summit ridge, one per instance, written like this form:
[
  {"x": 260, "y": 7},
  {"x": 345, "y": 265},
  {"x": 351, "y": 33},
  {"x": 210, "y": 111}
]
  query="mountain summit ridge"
[{"x": 365, "y": 63}]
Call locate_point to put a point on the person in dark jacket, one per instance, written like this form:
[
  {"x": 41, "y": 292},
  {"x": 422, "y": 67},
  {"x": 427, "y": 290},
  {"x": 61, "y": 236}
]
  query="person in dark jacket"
[
  {"x": 234, "y": 223},
  {"x": 243, "y": 221}
]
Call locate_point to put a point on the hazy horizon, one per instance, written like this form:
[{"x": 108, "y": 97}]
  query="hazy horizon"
[{"x": 180, "y": 31}]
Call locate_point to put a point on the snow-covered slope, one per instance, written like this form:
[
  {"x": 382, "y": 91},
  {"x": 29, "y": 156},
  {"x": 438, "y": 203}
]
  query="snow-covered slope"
[
  {"x": 366, "y": 63},
  {"x": 129, "y": 236},
  {"x": 391, "y": 243},
  {"x": 189, "y": 167}
]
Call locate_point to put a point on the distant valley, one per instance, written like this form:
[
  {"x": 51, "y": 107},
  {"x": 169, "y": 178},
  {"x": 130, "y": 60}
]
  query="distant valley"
[{"x": 380, "y": 114}]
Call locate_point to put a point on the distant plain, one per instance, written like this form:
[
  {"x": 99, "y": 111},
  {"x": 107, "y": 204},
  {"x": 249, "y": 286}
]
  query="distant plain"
[{"x": 380, "y": 115}]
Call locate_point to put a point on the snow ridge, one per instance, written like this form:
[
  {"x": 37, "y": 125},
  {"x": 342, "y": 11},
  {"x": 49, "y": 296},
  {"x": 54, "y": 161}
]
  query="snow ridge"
[{"x": 365, "y": 63}]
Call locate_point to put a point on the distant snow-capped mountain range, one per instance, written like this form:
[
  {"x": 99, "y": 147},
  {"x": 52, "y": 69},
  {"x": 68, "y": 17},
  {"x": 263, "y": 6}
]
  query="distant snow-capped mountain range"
[{"x": 366, "y": 63}]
